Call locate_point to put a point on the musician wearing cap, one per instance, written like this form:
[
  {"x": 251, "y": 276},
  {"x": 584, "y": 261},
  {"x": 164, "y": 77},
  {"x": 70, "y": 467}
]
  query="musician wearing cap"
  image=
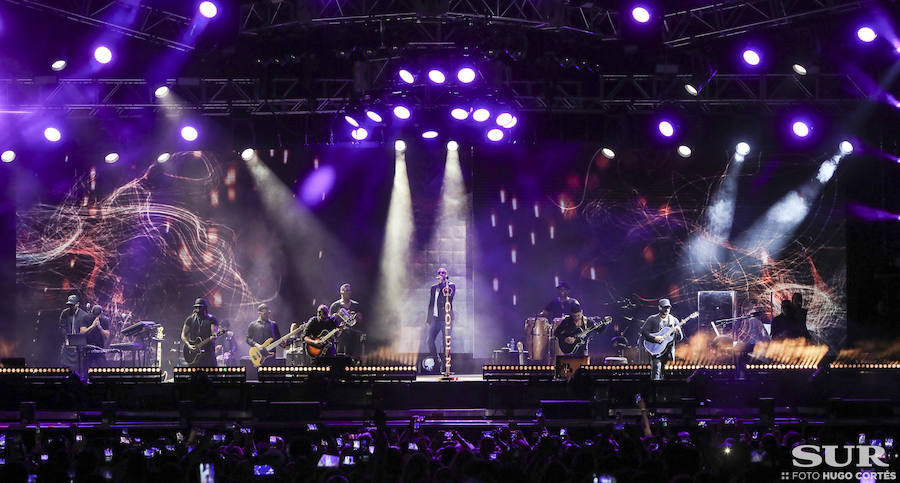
[
  {"x": 651, "y": 333},
  {"x": 569, "y": 330},
  {"x": 199, "y": 330},
  {"x": 441, "y": 292},
  {"x": 261, "y": 330},
  {"x": 562, "y": 305},
  {"x": 70, "y": 321}
]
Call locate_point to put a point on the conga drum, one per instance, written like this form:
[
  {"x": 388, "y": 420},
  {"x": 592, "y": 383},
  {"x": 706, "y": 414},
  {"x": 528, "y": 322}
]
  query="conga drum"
[{"x": 539, "y": 337}]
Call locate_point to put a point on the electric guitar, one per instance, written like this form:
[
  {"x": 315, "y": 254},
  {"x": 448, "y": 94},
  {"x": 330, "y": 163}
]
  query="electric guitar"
[
  {"x": 258, "y": 356},
  {"x": 325, "y": 339},
  {"x": 581, "y": 337},
  {"x": 192, "y": 357},
  {"x": 667, "y": 334}
]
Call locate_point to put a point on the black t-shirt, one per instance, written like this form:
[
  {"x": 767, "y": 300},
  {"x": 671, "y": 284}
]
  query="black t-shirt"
[
  {"x": 567, "y": 328},
  {"x": 315, "y": 326},
  {"x": 94, "y": 337},
  {"x": 259, "y": 332},
  {"x": 353, "y": 306},
  {"x": 71, "y": 319},
  {"x": 200, "y": 326},
  {"x": 560, "y": 309}
]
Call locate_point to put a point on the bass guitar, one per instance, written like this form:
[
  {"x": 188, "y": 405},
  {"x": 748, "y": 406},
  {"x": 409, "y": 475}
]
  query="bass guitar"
[
  {"x": 581, "y": 337},
  {"x": 326, "y": 338},
  {"x": 192, "y": 356},
  {"x": 667, "y": 334},
  {"x": 258, "y": 356}
]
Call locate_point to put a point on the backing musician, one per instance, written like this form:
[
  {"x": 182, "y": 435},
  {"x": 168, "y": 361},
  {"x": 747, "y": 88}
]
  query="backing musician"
[
  {"x": 198, "y": 326},
  {"x": 349, "y": 345},
  {"x": 568, "y": 330},
  {"x": 70, "y": 322},
  {"x": 96, "y": 331},
  {"x": 561, "y": 305},
  {"x": 437, "y": 311},
  {"x": 262, "y": 329},
  {"x": 322, "y": 322},
  {"x": 655, "y": 323}
]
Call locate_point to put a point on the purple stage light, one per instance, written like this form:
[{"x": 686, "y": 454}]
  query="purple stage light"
[
  {"x": 58, "y": 65},
  {"x": 8, "y": 156},
  {"x": 495, "y": 135},
  {"x": 189, "y": 133},
  {"x": 452, "y": 145},
  {"x": 359, "y": 134},
  {"x": 161, "y": 92},
  {"x": 102, "y": 54},
  {"x": 666, "y": 129},
  {"x": 640, "y": 14},
  {"x": 374, "y": 116},
  {"x": 436, "y": 76},
  {"x": 401, "y": 112},
  {"x": 481, "y": 115},
  {"x": 430, "y": 134},
  {"x": 751, "y": 57},
  {"x": 459, "y": 113},
  {"x": 351, "y": 121},
  {"x": 512, "y": 122},
  {"x": 846, "y": 147},
  {"x": 208, "y": 9},
  {"x": 111, "y": 158},
  {"x": 800, "y": 128},
  {"x": 866, "y": 34},
  {"x": 163, "y": 157},
  {"x": 465, "y": 75},
  {"x": 504, "y": 118},
  {"x": 52, "y": 134},
  {"x": 406, "y": 76}
]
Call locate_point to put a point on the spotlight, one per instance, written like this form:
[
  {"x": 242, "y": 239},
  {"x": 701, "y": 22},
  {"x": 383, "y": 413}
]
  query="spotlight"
[
  {"x": 401, "y": 112},
  {"x": 495, "y": 135},
  {"x": 52, "y": 134},
  {"x": 162, "y": 158},
  {"x": 208, "y": 9},
  {"x": 799, "y": 69},
  {"x": 111, "y": 158},
  {"x": 102, "y": 54},
  {"x": 751, "y": 57},
  {"x": 512, "y": 122},
  {"x": 359, "y": 133},
  {"x": 684, "y": 151},
  {"x": 161, "y": 92},
  {"x": 9, "y": 156},
  {"x": 58, "y": 65},
  {"x": 406, "y": 76},
  {"x": 846, "y": 147},
  {"x": 436, "y": 76},
  {"x": 374, "y": 116},
  {"x": 742, "y": 148},
  {"x": 430, "y": 134},
  {"x": 247, "y": 154},
  {"x": 609, "y": 153},
  {"x": 666, "y": 129},
  {"x": 465, "y": 75},
  {"x": 504, "y": 118},
  {"x": 351, "y": 121},
  {"x": 866, "y": 34},
  {"x": 640, "y": 14},
  {"x": 399, "y": 145},
  {"x": 189, "y": 133},
  {"x": 481, "y": 115},
  {"x": 452, "y": 146},
  {"x": 459, "y": 113},
  {"x": 800, "y": 128},
  {"x": 691, "y": 89}
]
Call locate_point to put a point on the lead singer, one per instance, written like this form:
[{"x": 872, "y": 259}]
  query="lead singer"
[{"x": 436, "y": 313}]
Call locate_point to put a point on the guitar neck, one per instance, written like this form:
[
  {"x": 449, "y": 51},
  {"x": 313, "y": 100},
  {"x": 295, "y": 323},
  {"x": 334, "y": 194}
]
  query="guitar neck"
[{"x": 286, "y": 337}]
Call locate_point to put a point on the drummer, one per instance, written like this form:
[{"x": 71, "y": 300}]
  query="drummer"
[{"x": 561, "y": 305}]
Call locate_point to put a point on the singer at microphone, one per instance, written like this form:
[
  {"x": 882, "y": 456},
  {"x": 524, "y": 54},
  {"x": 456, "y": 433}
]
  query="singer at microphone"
[{"x": 437, "y": 303}]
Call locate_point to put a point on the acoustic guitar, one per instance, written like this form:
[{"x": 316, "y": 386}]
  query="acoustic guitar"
[
  {"x": 326, "y": 338},
  {"x": 192, "y": 357},
  {"x": 656, "y": 349},
  {"x": 581, "y": 337}
]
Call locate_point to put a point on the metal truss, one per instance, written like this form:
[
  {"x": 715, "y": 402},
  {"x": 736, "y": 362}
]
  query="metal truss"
[
  {"x": 292, "y": 96},
  {"x": 127, "y": 17}
]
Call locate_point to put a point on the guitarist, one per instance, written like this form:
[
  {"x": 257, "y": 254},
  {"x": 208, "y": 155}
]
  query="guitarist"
[
  {"x": 262, "y": 329},
  {"x": 316, "y": 325},
  {"x": 200, "y": 325},
  {"x": 655, "y": 323},
  {"x": 571, "y": 326}
]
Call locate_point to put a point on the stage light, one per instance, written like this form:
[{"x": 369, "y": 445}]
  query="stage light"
[
  {"x": 162, "y": 158},
  {"x": 374, "y": 116},
  {"x": 481, "y": 115},
  {"x": 800, "y": 128},
  {"x": 799, "y": 69},
  {"x": 111, "y": 158},
  {"x": 436, "y": 76},
  {"x": 430, "y": 134},
  {"x": 161, "y": 92},
  {"x": 208, "y": 9},
  {"x": 406, "y": 76},
  {"x": 742, "y": 148},
  {"x": 640, "y": 14},
  {"x": 359, "y": 133},
  {"x": 247, "y": 154},
  {"x": 102, "y": 54},
  {"x": 465, "y": 75},
  {"x": 58, "y": 65},
  {"x": 400, "y": 145},
  {"x": 504, "y": 118},
  {"x": 691, "y": 89},
  {"x": 401, "y": 112},
  {"x": 684, "y": 151},
  {"x": 866, "y": 34},
  {"x": 846, "y": 147},
  {"x": 52, "y": 134},
  {"x": 609, "y": 153},
  {"x": 452, "y": 146},
  {"x": 9, "y": 156},
  {"x": 495, "y": 135},
  {"x": 459, "y": 113},
  {"x": 189, "y": 133},
  {"x": 751, "y": 57},
  {"x": 512, "y": 122},
  {"x": 351, "y": 121},
  {"x": 666, "y": 129}
]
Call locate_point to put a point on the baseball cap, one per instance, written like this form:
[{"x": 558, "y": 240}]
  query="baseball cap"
[
  {"x": 200, "y": 303},
  {"x": 72, "y": 300},
  {"x": 665, "y": 303}
]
